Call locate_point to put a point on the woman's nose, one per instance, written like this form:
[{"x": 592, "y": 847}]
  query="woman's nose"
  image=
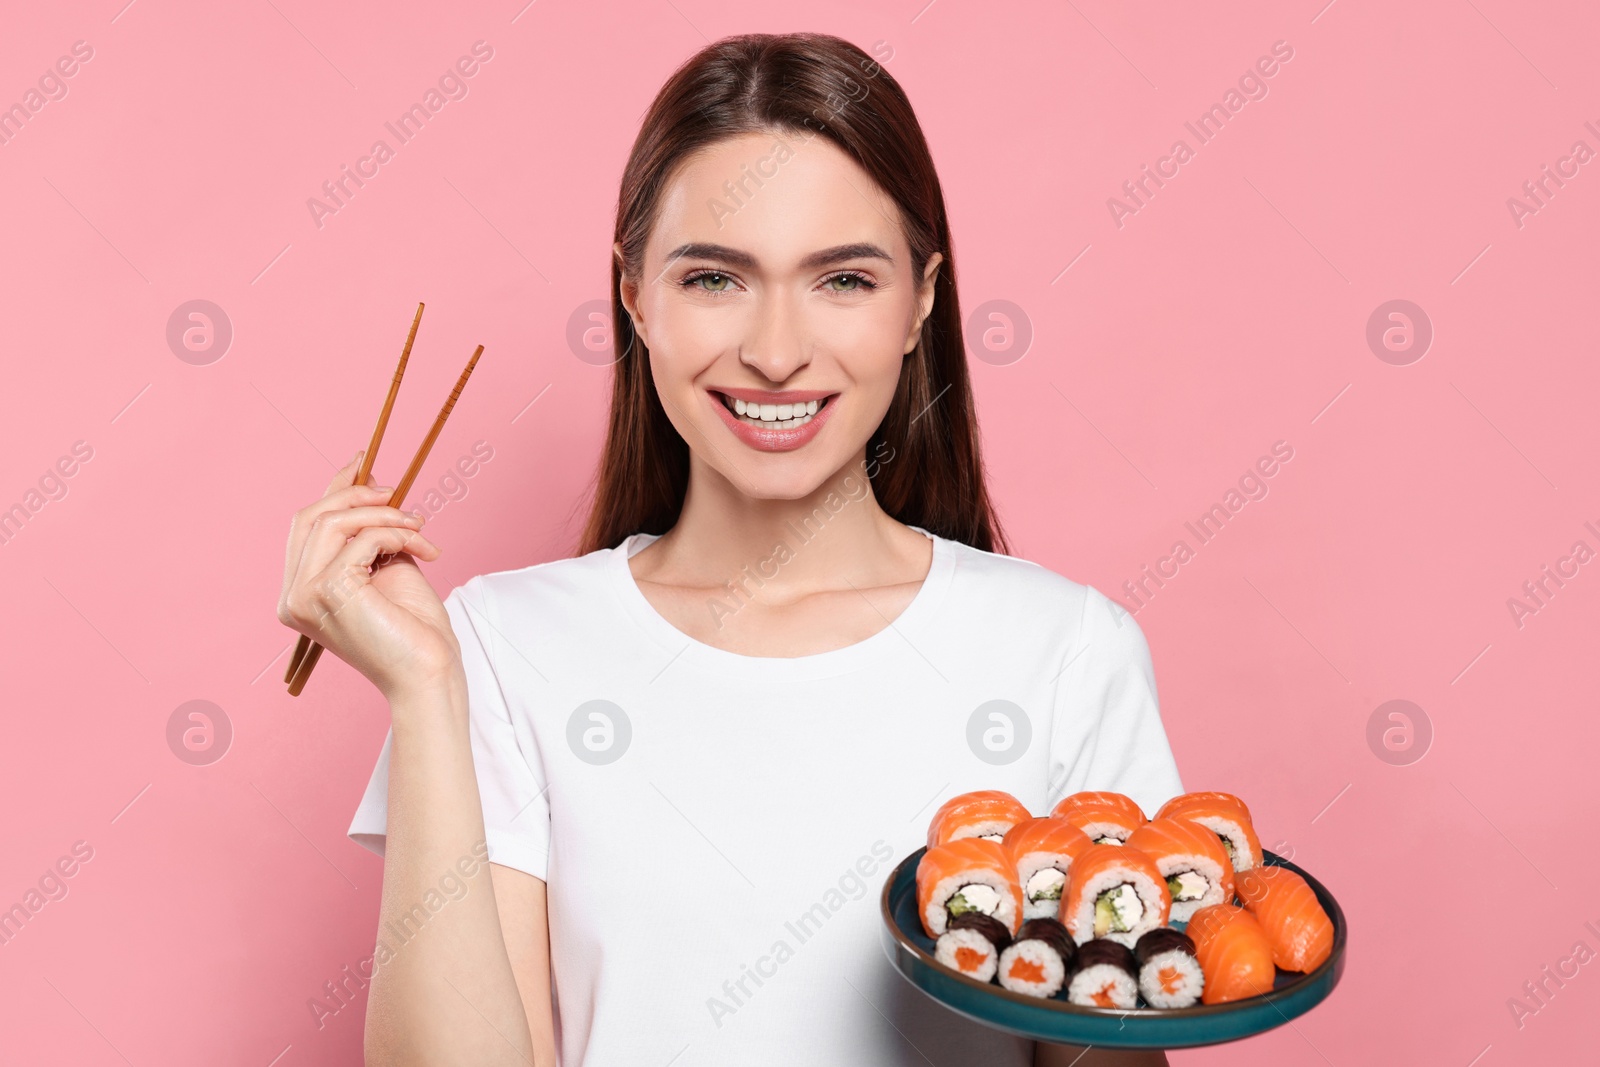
[{"x": 776, "y": 344}]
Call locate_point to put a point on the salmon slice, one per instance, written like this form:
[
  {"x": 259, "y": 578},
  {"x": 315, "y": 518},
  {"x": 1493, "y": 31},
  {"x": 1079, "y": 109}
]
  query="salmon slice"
[
  {"x": 1287, "y": 908},
  {"x": 1210, "y": 799},
  {"x": 1234, "y": 952},
  {"x": 963, "y": 812},
  {"x": 1026, "y": 970},
  {"x": 1123, "y": 806}
]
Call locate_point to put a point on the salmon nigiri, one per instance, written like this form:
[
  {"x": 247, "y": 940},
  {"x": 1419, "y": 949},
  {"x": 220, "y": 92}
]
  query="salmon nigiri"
[
  {"x": 1287, "y": 908},
  {"x": 986, "y": 813},
  {"x": 1224, "y": 815},
  {"x": 1234, "y": 953}
]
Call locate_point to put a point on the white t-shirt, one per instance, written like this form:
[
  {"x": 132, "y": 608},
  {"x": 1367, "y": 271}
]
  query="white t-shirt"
[{"x": 715, "y": 835}]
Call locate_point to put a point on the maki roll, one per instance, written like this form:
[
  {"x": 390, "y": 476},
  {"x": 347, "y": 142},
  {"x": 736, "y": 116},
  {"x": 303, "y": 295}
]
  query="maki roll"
[
  {"x": 1043, "y": 851},
  {"x": 969, "y": 875},
  {"x": 1169, "y": 974},
  {"x": 1039, "y": 959},
  {"x": 1224, "y": 815},
  {"x": 1286, "y": 907},
  {"x": 1234, "y": 952},
  {"x": 1191, "y": 859},
  {"x": 988, "y": 813},
  {"x": 1104, "y": 976},
  {"x": 972, "y": 944},
  {"x": 1114, "y": 892},
  {"x": 1108, "y": 818}
]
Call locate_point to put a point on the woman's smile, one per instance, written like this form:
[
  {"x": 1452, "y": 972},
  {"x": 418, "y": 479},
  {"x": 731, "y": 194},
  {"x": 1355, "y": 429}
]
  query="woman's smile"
[{"x": 773, "y": 420}]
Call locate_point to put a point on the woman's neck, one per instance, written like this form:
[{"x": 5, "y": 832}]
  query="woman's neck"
[{"x": 835, "y": 537}]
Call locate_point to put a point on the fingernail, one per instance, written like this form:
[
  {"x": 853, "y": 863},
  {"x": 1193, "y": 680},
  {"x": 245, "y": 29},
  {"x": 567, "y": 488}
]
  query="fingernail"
[{"x": 383, "y": 489}]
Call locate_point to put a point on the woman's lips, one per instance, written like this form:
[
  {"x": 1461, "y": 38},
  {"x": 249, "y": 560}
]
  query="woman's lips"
[{"x": 772, "y": 435}]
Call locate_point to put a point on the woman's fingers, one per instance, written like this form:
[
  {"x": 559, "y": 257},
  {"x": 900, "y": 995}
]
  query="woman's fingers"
[
  {"x": 350, "y": 496},
  {"x": 348, "y": 572},
  {"x": 345, "y": 475},
  {"x": 329, "y": 531}
]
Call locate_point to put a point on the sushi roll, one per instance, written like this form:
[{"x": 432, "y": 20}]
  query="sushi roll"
[
  {"x": 1210, "y": 797},
  {"x": 1191, "y": 859},
  {"x": 1123, "y": 805},
  {"x": 1286, "y": 907},
  {"x": 969, "y": 875},
  {"x": 1038, "y": 960},
  {"x": 1234, "y": 953},
  {"x": 1169, "y": 974},
  {"x": 988, "y": 813},
  {"x": 1104, "y": 976},
  {"x": 1224, "y": 815},
  {"x": 1114, "y": 892},
  {"x": 1043, "y": 850},
  {"x": 1108, "y": 818},
  {"x": 972, "y": 944}
]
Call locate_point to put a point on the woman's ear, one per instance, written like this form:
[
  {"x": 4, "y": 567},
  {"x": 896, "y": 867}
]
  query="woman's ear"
[
  {"x": 628, "y": 289},
  {"x": 925, "y": 294}
]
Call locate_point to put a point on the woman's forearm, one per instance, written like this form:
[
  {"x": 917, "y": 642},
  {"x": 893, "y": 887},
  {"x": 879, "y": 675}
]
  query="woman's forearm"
[{"x": 444, "y": 992}]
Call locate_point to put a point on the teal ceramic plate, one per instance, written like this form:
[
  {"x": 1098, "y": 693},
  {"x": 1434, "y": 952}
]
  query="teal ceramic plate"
[{"x": 1055, "y": 1020}]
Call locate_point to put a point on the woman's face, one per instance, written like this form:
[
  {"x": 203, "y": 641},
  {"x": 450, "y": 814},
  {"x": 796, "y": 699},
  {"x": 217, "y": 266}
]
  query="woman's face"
[{"x": 777, "y": 281}]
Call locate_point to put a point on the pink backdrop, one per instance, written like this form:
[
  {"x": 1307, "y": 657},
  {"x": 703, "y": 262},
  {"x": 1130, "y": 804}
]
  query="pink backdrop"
[{"x": 1174, "y": 341}]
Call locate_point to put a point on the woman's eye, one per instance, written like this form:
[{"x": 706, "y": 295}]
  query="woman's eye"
[
  {"x": 723, "y": 280},
  {"x": 853, "y": 283}
]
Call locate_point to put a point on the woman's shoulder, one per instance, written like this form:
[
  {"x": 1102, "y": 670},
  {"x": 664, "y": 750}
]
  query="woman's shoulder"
[
  {"x": 1031, "y": 601},
  {"x": 1021, "y": 581},
  {"x": 550, "y": 584}
]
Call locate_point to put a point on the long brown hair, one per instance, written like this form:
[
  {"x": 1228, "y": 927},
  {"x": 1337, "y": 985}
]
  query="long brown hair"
[{"x": 815, "y": 85}]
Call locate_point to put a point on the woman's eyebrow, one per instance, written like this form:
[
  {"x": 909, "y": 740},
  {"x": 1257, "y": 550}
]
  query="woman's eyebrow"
[{"x": 737, "y": 258}]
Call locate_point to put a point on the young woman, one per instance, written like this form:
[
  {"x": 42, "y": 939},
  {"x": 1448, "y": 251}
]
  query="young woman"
[{"x": 637, "y": 805}]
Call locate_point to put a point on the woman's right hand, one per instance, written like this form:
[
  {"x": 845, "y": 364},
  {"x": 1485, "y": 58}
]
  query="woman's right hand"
[{"x": 386, "y": 621}]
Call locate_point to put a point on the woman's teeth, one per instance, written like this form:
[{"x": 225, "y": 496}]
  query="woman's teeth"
[{"x": 774, "y": 416}]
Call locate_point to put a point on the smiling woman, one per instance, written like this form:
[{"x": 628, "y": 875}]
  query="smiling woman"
[{"x": 767, "y": 358}]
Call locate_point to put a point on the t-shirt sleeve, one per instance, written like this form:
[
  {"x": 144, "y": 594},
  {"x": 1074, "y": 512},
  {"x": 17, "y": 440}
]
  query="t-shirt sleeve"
[
  {"x": 1107, "y": 732},
  {"x": 506, "y": 760}
]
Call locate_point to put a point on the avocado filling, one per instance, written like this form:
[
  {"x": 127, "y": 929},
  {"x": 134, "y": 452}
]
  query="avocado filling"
[
  {"x": 1227, "y": 845},
  {"x": 1108, "y": 840},
  {"x": 1046, "y": 884},
  {"x": 1117, "y": 910},
  {"x": 1188, "y": 885},
  {"x": 975, "y": 897}
]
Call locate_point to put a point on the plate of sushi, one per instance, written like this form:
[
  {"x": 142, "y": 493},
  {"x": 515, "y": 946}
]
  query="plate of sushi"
[{"x": 1095, "y": 925}]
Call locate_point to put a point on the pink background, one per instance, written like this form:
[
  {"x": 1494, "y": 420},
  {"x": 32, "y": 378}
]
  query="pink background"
[{"x": 1229, "y": 313}]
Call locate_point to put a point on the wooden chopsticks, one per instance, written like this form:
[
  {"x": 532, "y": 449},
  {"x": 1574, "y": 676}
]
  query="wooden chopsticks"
[{"x": 307, "y": 651}]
